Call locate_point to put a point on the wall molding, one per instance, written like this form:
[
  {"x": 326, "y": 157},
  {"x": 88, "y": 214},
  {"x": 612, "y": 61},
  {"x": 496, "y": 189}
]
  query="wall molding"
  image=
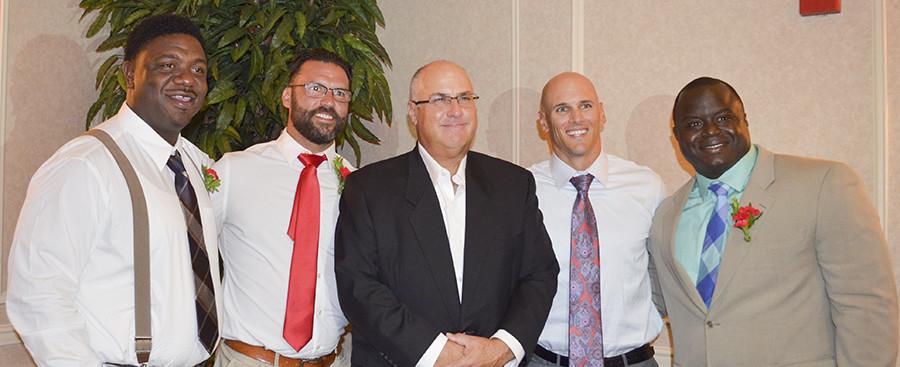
[
  {"x": 4, "y": 41},
  {"x": 516, "y": 84},
  {"x": 578, "y": 36},
  {"x": 881, "y": 116}
]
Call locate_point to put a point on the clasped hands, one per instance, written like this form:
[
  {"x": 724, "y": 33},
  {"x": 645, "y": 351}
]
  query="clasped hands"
[{"x": 464, "y": 350}]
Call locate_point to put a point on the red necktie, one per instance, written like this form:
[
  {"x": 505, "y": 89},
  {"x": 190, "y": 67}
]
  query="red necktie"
[{"x": 304, "y": 230}]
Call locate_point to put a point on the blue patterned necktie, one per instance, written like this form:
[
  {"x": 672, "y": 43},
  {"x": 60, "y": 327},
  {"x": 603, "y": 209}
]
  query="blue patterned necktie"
[
  {"x": 713, "y": 243},
  {"x": 205, "y": 301},
  {"x": 585, "y": 325}
]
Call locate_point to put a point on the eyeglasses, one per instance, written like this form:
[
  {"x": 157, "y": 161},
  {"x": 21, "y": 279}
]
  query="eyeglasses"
[
  {"x": 317, "y": 90},
  {"x": 444, "y": 101}
]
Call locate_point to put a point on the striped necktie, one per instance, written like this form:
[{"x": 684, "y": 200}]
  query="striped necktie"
[
  {"x": 205, "y": 301},
  {"x": 713, "y": 243}
]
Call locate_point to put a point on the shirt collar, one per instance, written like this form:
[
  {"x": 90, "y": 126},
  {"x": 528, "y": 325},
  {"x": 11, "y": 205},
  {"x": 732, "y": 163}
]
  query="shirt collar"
[
  {"x": 562, "y": 172},
  {"x": 148, "y": 139},
  {"x": 735, "y": 177},
  {"x": 435, "y": 169},
  {"x": 290, "y": 149}
]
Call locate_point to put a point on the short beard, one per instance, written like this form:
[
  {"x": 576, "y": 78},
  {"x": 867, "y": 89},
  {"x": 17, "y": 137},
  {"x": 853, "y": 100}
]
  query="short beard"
[{"x": 302, "y": 120}]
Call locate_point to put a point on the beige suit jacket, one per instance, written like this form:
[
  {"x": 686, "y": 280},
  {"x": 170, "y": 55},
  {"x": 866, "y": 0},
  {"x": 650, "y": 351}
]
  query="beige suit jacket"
[{"x": 814, "y": 286}]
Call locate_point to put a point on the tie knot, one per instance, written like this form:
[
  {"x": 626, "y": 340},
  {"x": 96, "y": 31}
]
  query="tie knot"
[
  {"x": 311, "y": 159},
  {"x": 719, "y": 188},
  {"x": 175, "y": 163},
  {"x": 582, "y": 183}
]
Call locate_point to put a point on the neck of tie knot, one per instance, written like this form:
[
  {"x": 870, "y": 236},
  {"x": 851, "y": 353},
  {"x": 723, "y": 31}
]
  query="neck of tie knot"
[
  {"x": 311, "y": 159},
  {"x": 582, "y": 183},
  {"x": 175, "y": 163},
  {"x": 720, "y": 189}
]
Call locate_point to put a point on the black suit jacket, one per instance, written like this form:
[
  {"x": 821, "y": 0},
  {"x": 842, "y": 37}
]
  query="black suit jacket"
[{"x": 394, "y": 269}]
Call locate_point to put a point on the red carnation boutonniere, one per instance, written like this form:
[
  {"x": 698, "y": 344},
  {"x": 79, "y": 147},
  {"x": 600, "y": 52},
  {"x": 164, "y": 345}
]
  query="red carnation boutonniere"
[
  {"x": 210, "y": 179},
  {"x": 744, "y": 217},
  {"x": 341, "y": 171}
]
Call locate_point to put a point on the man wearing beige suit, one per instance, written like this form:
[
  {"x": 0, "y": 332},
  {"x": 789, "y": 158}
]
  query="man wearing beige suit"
[{"x": 807, "y": 283}]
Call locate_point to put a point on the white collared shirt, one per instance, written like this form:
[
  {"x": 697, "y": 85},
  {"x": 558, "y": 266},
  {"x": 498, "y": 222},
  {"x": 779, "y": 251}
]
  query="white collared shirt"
[
  {"x": 253, "y": 206},
  {"x": 71, "y": 273},
  {"x": 453, "y": 211},
  {"x": 624, "y": 196}
]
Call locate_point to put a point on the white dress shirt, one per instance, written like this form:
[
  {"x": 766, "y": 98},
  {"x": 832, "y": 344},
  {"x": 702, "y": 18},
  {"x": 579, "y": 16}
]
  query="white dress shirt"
[
  {"x": 624, "y": 196},
  {"x": 453, "y": 211},
  {"x": 71, "y": 279},
  {"x": 253, "y": 206}
]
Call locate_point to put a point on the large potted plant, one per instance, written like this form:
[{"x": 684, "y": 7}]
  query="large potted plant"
[{"x": 250, "y": 45}]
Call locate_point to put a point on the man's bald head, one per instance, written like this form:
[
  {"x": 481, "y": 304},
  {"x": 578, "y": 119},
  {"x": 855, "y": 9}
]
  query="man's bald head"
[
  {"x": 432, "y": 70},
  {"x": 572, "y": 115},
  {"x": 566, "y": 81}
]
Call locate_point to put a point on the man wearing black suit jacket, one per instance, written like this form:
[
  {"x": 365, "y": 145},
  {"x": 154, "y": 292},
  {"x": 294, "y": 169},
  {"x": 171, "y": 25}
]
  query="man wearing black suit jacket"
[{"x": 441, "y": 255}]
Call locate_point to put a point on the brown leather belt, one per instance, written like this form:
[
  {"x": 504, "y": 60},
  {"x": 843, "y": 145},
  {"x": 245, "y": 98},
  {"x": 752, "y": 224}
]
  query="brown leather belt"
[{"x": 264, "y": 355}]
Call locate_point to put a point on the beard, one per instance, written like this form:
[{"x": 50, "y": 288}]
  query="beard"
[{"x": 321, "y": 135}]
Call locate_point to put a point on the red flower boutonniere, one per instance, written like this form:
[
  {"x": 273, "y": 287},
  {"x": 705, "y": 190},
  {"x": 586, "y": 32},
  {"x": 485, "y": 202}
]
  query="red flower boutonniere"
[
  {"x": 341, "y": 170},
  {"x": 211, "y": 179},
  {"x": 744, "y": 217}
]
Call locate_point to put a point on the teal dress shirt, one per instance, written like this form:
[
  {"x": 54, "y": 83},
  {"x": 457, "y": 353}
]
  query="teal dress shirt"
[{"x": 699, "y": 207}]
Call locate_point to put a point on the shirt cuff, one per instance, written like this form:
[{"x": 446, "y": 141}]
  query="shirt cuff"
[
  {"x": 433, "y": 352},
  {"x": 513, "y": 345}
]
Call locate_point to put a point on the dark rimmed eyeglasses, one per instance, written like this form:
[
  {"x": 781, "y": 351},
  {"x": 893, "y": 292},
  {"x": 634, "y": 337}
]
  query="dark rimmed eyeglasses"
[
  {"x": 317, "y": 90},
  {"x": 444, "y": 101}
]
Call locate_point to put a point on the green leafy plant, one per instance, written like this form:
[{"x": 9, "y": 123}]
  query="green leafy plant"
[{"x": 250, "y": 44}]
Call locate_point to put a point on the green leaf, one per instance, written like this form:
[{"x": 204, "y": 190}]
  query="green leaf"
[
  {"x": 136, "y": 15},
  {"x": 283, "y": 34},
  {"x": 241, "y": 50},
  {"x": 92, "y": 113},
  {"x": 120, "y": 77},
  {"x": 104, "y": 69},
  {"x": 114, "y": 41},
  {"x": 230, "y": 36},
  {"x": 97, "y": 24},
  {"x": 226, "y": 115},
  {"x": 223, "y": 90},
  {"x": 300, "y": 19},
  {"x": 360, "y": 130},
  {"x": 239, "y": 110}
]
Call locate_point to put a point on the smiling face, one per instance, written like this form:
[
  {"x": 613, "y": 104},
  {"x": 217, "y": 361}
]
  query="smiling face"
[
  {"x": 573, "y": 117},
  {"x": 711, "y": 128},
  {"x": 446, "y": 132},
  {"x": 167, "y": 83},
  {"x": 316, "y": 121}
]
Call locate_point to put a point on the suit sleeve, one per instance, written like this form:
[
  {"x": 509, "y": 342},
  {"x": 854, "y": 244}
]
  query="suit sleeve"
[
  {"x": 856, "y": 264},
  {"x": 371, "y": 307},
  {"x": 58, "y": 226},
  {"x": 656, "y": 289},
  {"x": 536, "y": 283}
]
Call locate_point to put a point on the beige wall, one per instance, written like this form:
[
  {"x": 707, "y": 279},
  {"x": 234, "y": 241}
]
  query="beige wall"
[{"x": 809, "y": 83}]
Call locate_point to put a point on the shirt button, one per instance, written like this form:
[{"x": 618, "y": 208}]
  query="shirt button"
[
  {"x": 319, "y": 275},
  {"x": 709, "y": 324},
  {"x": 319, "y": 312}
]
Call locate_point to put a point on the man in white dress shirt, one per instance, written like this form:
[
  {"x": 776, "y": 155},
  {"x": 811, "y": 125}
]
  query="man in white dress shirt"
[
  {"x": 257, "y": 205},
  {"x": 622, "y": 198},
  {"x": 71, "y": 278}
]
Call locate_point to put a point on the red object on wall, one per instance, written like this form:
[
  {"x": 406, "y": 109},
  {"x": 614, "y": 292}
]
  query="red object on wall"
[{"x": 819, "y": 7}]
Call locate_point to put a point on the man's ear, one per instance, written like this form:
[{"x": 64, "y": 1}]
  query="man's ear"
[
  {"x": 286, "y": 97},
  {"x": 542, "y": 119},
  {"x": 128, "y": 70},
  {"x": 411, "y": 112}
]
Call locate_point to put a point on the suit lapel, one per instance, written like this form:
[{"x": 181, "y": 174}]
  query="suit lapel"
[
  {"x": 671, "y": 225},
  {"x": 428, "y": 225},
  {"x": 478, "y": 228},
  {"x": 736, "y": 249}
]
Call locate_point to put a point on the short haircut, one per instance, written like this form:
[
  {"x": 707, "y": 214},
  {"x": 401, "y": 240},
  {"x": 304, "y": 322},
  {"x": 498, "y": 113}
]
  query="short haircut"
[
  {"x": 322, "y": 55},
  {"x": 704, "y": 81},
  {"x": 157, "y": 26}
]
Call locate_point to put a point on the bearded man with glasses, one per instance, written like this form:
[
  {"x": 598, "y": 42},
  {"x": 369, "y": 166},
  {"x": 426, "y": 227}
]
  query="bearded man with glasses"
[
  {"x": 277, "y": 207},
  {"x": 441, "y": 255}
]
